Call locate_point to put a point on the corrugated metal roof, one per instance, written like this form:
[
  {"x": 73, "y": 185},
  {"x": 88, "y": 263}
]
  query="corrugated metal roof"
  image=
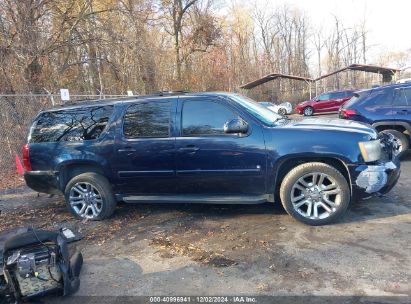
[
  {"x": 363, "y": 67},
  {"x": 354, "y": 67},
  {"x": 273, "y": 76}
]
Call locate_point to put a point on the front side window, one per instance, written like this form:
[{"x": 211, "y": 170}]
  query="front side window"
[
  {"x": 323, "y": 97},
  {"x": 71, "y": 125},
  {"x": 202, "y": 117},
  {"x": 147, "y": 119}
]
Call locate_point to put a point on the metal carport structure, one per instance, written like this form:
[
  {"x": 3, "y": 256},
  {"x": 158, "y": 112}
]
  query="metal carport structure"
[
  {"x": 386, "y": 72},
  {"x": 270, "y": 77}
]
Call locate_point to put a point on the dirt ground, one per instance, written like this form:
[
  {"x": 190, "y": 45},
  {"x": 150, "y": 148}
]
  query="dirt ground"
[{"x": 181, "y": 249}]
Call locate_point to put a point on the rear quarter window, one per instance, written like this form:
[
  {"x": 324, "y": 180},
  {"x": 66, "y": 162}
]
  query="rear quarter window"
[
  {"x": 379, "y": 98},
  {"x": 71, "y": 125},
  {"x": 370, "y": 98}
]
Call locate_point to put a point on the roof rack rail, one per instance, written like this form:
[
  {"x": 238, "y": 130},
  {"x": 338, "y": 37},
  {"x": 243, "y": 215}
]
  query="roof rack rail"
[{"x": 164, "y": 93}]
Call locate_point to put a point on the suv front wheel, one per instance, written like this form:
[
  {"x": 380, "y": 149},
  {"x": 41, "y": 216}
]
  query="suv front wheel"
[
  {"x": 89, "y": 196},
  {"x": 315, "y": 193},
  {"x": 308, "y": 111}
]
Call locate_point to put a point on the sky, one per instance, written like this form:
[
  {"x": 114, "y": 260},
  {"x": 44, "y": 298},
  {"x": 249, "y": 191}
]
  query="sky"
[{"x": 388, "y": 21}]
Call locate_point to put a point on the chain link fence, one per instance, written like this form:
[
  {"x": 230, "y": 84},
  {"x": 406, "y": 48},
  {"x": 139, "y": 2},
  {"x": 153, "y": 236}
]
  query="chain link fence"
[{"x": 16, "y": 115}]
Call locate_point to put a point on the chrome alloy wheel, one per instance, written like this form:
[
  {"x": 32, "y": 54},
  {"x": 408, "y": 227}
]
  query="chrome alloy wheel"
[
  {"x": 85, "y": 200},
  {"x": 316, "y": 195},
  {"x": 308, "y": 111}
]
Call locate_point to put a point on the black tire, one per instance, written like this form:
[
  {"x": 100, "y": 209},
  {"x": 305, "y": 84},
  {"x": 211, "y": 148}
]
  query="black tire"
[
  {"x": 303, "y": 170},
  {"x": 107, "y": 203},
  {"x": 401, "y": 137},
  {"x": 308, "y": 111}
]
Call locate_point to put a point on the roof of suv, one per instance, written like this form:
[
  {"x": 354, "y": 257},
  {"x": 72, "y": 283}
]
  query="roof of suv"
[
  {"x": 111, "y": 101},
  {"x": 393, "y": 85}
]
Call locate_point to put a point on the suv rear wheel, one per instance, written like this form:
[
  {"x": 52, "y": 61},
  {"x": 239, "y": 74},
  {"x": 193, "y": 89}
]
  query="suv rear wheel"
[
  {"x": 401, "y": 141},
  {"x": 315, "y": 193},
  {"x": 89, "y": 196}
]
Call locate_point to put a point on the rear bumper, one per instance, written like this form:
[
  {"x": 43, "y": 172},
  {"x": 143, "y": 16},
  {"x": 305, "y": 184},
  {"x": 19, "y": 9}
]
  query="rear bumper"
[
  {"x": 372, "y": 180},
  {"x": 43, "y": 181}
]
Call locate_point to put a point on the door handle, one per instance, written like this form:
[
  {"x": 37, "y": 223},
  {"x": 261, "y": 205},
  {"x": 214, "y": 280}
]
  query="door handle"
[
  {"x": 402, "y": 112},
  {"x": 127, "y": 149}
]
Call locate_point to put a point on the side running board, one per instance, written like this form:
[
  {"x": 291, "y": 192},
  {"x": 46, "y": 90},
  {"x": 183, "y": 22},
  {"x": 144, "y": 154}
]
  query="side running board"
[{"x": 198, "y": 199}]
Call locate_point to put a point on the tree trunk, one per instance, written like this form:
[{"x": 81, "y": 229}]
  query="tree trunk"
[{"x": 178, "y": 58}]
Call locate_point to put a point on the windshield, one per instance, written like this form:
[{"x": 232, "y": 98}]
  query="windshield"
[{"x": 260, "y": 112}]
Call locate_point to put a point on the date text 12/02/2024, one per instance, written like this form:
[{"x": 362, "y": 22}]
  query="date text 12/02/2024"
[{"x": 203, "y": 299}]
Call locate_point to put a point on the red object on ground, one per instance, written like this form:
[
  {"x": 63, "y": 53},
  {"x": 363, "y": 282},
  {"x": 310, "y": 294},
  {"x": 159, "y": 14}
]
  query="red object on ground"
[
  {"x": 26, "y": 158},
  {"x": 19, "y": 166}
]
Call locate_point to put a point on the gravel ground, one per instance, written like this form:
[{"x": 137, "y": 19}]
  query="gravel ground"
[{"x": 181, "y": 249}]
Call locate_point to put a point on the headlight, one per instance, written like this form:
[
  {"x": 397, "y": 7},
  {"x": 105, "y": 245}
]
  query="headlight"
[{"x": 370, "y": 150}]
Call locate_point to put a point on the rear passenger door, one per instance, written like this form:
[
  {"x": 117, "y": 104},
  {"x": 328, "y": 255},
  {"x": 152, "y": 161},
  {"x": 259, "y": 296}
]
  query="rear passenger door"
[
  {"x": 145, "y": 148},
  {"x": 338, "y": 100}
]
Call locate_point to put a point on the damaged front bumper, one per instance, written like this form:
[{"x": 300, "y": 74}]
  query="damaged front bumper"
[{"x": 375, "y": 179}]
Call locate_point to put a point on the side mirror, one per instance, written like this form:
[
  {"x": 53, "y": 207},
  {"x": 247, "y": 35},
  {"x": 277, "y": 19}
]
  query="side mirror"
[{"x": 236, "y": 125}]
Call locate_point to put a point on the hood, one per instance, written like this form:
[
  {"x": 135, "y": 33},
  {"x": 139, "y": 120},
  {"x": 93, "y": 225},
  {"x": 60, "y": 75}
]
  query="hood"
[{"x": 332, "y": 124}]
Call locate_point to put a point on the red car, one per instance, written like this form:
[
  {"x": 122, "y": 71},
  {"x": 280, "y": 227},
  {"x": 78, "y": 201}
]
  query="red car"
[{"x": 326, "y": 102}]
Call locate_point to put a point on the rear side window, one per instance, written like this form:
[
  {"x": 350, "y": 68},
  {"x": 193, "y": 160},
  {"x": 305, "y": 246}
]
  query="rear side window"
[
  {"x": 337, "y": 95},
  {"x": 71, "y": 125},
  {"x": 147, "y": 119}
]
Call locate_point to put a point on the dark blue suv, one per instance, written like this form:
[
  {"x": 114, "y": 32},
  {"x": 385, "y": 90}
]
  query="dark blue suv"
[
  {"x": 204, "y": 148},
  {"x": 387, "y": 109}
]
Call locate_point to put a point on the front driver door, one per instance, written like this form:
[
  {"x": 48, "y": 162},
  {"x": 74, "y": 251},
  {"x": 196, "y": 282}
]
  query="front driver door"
[
  {"x": 323, "y": 103},
  {"x": 208, "y": 161}
]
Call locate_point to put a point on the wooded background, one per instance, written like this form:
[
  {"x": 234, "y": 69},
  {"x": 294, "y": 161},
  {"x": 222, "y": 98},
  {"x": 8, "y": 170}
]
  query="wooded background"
[{"x": 112, "y": 46}]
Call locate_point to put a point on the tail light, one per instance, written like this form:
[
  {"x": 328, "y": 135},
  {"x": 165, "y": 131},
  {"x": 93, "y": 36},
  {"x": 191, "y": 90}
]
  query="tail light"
[
  {"x": 26, "y": 158},
  {"x": 347, "y": 113}
]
